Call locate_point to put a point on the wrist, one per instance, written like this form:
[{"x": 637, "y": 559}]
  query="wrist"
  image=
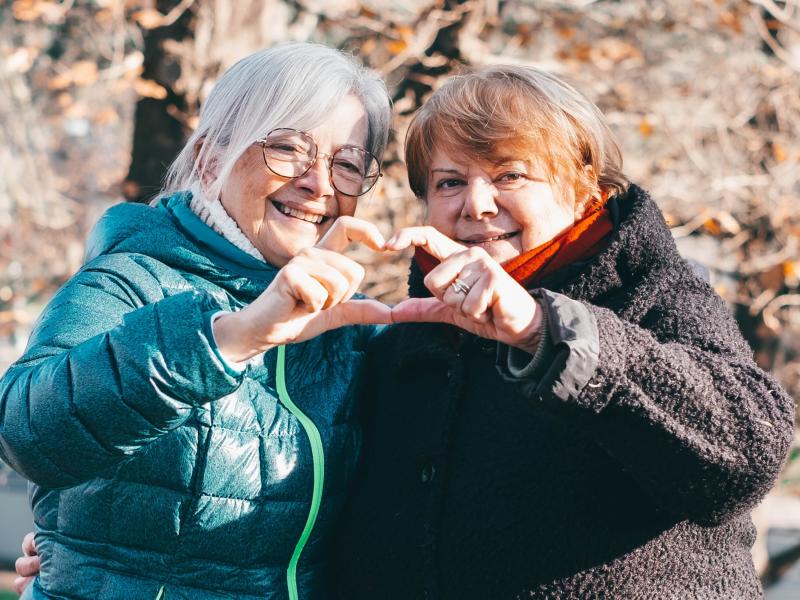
[
  {"x": 234, "y": 337},
  {"x": 531, "y": 336}
]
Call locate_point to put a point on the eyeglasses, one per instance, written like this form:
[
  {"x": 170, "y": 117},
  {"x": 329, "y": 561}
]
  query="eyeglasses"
[{"x": 291, "y": 153}]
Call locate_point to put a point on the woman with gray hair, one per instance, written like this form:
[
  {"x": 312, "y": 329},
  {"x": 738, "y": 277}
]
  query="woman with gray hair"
[{"x": 178, "y": 446}]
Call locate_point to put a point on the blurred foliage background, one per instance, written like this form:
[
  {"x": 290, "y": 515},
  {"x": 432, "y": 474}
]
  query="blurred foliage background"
[{"x": 96, "y": 97}]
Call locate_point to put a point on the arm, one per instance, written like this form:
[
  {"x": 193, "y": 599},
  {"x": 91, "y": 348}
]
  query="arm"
[
  {"x": 676, "y": 399},
  {"x": 105, "y": 374}
]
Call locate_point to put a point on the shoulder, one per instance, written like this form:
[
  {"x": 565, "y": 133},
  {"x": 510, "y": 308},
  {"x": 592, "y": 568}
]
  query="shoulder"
[{"x": 121, "y": 223}]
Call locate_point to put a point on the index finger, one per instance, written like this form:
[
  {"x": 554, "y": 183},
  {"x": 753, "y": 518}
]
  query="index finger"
[
  {"x": 350, "y": 229},
  {"x": 436, "y": 243}
]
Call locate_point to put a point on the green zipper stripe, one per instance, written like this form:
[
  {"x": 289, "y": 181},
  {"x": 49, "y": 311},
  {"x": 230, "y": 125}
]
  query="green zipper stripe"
[{"x": 318, "y": 456}]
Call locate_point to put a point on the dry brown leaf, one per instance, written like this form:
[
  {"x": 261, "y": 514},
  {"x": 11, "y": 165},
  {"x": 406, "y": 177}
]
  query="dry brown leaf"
[
  {"x": 366, "y": 11},
  {"x": 772, "y": 279},
  {"x": 368, "y": 47},
  {"x": 83, "y": 73},
  {"x": 60, "y": 81},
  {"x": 148, "y": 18},
  {"x": 395, "y": 47},
  {"x": 104, "y": 16},
  {"x": 31, "y": 10},
  {"x": 645, "y": 127},
  {"x": 147, "y": 88},
  {"x": 566, "y": 33},
  {"x": 616, "y": 50},
  {"x": 712, "y": 227},
  {"x": 63, "y": 100},
  {"x": 105, "y": 116},
  {"x": 27, "y": 10},
  {"x": 731, "y": 21},
  {"x": 779, "y": 153}
]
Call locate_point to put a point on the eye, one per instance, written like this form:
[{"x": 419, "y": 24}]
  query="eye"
[
  {"x": 448, "y": 184},
  {"x": 284, "y": 147},
  {"x": 347, "y": 166},
  {"x": 511, "y": 177}
]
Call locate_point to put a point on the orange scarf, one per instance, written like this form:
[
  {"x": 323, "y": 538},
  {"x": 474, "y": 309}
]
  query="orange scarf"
[{"x": 583, "y": 240}]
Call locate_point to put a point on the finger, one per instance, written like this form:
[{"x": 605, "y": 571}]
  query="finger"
[
  {"x": 352, "y": 271},
  {"x": 29, "y": 544},
  {"x": 454, "y": 299},
  {"x": 464, "y": 266},
  {"x": 336, "y": 283},
  {"x": 437, "y": 244},
  {"x": 359, "y": 312},
  {"x": 422, "y": 310},
  {"x": 20, "y": 583},
  {"x": 351, "y": 229},
  {"x": 479, "y": 299},
  {"x": 304, "y": 288},
  {"x": 27, "y": 566}
]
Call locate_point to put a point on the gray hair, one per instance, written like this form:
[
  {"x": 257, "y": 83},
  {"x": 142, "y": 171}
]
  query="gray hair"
[{"x": 295, "y": 85}]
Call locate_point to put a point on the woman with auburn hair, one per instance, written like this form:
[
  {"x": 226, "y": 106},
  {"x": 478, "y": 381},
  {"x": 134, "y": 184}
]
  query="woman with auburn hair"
[{"x": 580, "y": 418}]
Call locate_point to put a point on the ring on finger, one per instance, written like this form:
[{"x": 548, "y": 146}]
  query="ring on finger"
[{"x": 460, "y": 287}]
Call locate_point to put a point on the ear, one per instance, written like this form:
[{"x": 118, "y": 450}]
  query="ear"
[
  {"x": 207, "y": 165},
  {"x": 588, "y": 195}
]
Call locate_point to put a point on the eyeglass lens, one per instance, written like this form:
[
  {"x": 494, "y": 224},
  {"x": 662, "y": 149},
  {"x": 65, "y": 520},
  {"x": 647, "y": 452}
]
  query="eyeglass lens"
[{"x": 290, "y": 153}]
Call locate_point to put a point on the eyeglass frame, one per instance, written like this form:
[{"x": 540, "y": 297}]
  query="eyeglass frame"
[{"x": 327, "y": 157}]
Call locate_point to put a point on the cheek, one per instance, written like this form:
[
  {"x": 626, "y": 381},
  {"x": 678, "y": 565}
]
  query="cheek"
[
  {"x": 442, "y": 215},
  {"x": 543, "y": 222},
  {"x": 347, "y": 205}
]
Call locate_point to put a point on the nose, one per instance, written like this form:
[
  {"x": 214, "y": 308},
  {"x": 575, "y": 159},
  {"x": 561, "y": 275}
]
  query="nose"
[
  {"x": 479, "y": 200},
  {"x": 316, "y": 182}
]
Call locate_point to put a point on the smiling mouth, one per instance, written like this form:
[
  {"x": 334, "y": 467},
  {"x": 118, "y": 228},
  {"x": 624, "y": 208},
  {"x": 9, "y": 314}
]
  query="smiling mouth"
[
  {"x": 297, "y": 214},
  {"x": 496, "y": 238}
]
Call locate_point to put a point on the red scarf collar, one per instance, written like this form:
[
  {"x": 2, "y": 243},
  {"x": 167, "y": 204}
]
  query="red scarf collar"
[{"x": 583, "y": 240}]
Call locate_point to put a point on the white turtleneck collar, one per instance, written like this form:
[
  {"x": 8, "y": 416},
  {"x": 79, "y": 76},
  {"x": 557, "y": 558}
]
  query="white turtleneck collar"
[{"x": 213, "y": 214}]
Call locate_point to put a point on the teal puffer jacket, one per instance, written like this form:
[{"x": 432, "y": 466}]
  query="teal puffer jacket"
[{"x": 160, "y": 472}]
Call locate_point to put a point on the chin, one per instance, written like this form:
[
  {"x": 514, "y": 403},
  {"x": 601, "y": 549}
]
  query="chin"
[{"x": 502, "y": 252}]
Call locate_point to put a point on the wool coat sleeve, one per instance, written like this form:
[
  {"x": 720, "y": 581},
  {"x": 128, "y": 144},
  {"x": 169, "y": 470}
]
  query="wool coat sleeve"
[
  {"x": 674, "y": 396},
  {"x": 105, "y": 373}
]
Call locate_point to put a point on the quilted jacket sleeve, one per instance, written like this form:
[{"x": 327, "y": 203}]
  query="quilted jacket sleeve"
[
  {"x": 105, "y": 374},
  {"x": 676, "y": 398}
]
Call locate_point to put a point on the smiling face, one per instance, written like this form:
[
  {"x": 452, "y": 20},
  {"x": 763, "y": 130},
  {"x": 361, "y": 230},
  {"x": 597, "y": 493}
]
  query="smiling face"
[
  {"x": 281, "y": 216},
  {"x": 507, "y": 208}
]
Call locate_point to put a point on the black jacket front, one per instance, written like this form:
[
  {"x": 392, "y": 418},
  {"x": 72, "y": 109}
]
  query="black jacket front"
[{"x": 625, "y": 467}]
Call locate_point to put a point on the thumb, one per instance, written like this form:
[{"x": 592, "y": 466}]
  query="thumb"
[
  {"x": 422, "y": 310},
  {"x": 358, "y": 312}
]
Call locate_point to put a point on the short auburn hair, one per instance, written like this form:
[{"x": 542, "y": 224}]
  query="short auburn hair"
[{"x": 504, "y": 111}]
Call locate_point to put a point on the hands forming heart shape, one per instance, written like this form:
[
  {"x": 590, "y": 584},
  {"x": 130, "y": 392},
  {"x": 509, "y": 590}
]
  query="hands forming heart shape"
[{"x": 312, "y": 294}]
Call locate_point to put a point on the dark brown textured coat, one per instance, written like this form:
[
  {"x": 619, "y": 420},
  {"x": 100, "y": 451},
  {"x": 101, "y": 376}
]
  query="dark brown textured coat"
[{"x": 624, "y": 468}]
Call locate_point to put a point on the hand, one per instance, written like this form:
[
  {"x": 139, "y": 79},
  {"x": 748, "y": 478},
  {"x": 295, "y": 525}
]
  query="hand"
[
  {"x": 310, "y": 295},
  {"x": 486, "y": 301},
  {"x": 28, "y": 565}
]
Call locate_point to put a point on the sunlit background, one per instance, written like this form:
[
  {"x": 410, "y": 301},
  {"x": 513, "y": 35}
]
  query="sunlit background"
[{"x": 97, "y": 96}]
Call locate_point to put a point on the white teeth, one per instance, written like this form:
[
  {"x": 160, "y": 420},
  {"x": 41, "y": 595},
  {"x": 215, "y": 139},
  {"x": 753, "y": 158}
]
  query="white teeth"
[
  {"x": 298, "y": 214},
  {"x": 493, "y": 239}
]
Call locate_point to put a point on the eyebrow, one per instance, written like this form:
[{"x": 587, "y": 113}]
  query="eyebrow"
[{"x": 456, "y": 171}]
